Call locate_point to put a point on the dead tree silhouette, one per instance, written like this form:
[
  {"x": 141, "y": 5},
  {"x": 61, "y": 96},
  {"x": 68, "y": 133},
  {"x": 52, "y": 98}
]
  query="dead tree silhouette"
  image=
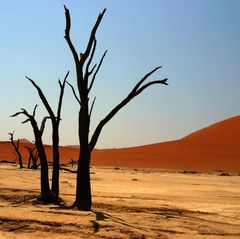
[
  {"x": 47, "y": 195},
  {"x": 55, "y": 120},
  {"x": 85, "y": 77},
  {"x": 72, "y": 162},
  {"x": 33, "y": 157},
  {"x": 16, "y": 150}
]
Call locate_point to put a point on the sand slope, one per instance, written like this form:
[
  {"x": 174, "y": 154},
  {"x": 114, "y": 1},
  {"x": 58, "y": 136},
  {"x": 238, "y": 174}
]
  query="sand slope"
[{"x": 216, "y": 147}]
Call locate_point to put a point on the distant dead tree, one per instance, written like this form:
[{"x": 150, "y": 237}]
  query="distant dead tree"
[
  {"x": 85, "y": 77},
  {"x": 55, "y": 120},
  {"x": 72, "y": 162},
  {"x": 46, "y": 194},
  {"x": 33, "y": 157},
  {"x": 17, "y": 152}
]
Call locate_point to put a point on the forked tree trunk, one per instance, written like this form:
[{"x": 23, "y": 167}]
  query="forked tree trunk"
[{"x": 55, "y": 119}]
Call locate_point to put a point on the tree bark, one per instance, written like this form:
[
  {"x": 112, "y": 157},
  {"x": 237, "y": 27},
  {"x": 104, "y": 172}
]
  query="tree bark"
[
  {"x": 56, "y": 156},
  {"x": 45, "y": 189},
  {"x": 83, "y": 200}
]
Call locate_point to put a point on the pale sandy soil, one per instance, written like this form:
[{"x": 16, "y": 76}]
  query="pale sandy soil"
[{"x": 127, "y": 204}]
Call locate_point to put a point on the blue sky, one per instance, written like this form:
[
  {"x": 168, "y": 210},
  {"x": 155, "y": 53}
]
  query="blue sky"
[{"x": 196, "y": 42}]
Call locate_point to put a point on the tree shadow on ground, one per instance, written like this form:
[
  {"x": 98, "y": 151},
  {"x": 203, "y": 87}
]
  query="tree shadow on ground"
[{"x": 100, "y": 216}]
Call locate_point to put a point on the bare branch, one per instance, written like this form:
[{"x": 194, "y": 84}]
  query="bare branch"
[
  {"x": 95, "y": 74},
  {"x": 66, "y": 76},
  {"x": 142, "y": 88},
  {"x": 16, "y": 114},
  {"x": 67, "y": 35},
  {"x": 62, "y": 87},
  {"x": 92, "y": 107},
  {"x": 25, "y": 121},
  {"x": 60, "y": 83},
  {"x": 43, "y": 124},
  {"x": 24, "y": 112},
  {"x": 30, "y": 118},
  {"x": 34, "y": 110},
  {"x": 136, "y": 91},
  {"x": 87, "y": 73},
  {"x": 91, "y": 71},
  {"x": 145, "y": 77},
  {"x": 43, "y": 98},
  {"x": 91, "y": 38},
  {"x": 74, "y": 92}
]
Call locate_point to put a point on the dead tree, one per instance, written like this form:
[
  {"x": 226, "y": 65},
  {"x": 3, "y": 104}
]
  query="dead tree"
[
  {"x": 46, "y": 194},
  {"x": 33, "y": 157},
  {"x": 72, "y": 162},
  {"x": 55, "y": 120},
  {"x": 85, "y": 76},
  {"x": 16, "y": 150}
]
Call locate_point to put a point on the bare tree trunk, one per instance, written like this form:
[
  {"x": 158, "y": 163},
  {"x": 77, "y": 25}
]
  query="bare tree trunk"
[
  {"x": 83, "y": 200},
  {"x": 56, "y": 156},
  {"x": 45, "y": 189}
]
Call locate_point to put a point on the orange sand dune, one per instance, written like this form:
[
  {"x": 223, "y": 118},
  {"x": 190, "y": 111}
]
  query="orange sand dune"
[
  {"x": 216, "y": 147},
  {"x": 213, "y": 148}
]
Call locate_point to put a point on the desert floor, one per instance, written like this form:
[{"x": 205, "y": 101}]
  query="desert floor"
[{"x": 127, "y": 203}]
